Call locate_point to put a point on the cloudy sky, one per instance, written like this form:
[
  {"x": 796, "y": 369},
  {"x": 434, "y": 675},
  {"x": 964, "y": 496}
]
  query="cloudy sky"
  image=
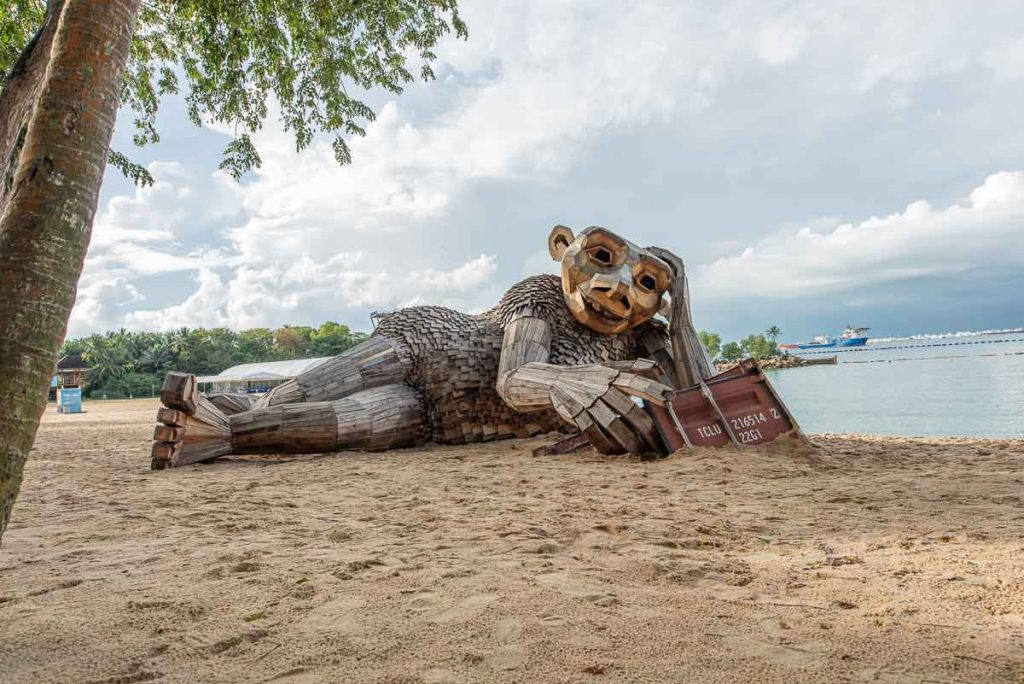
[{"x": 813, "y": 163}]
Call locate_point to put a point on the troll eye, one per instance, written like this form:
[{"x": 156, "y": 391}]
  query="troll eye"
[
  {"x": 602, "y": 256},
  {"x": 647, "y": 282}
]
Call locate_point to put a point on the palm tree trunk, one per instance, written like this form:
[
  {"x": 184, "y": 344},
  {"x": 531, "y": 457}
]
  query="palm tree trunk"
[
  {"x": 19, "y": 92},
  {"x": 47, "y": 219}
]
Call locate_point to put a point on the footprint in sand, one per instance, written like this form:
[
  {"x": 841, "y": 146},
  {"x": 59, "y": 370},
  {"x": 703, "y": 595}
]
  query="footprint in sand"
[
  {"x": 345, "y": 615},
  {"x": 590, "y": 641},
  {"x": 465, "y": 610},
  {"x": 65, "y": 584},
  {"x": 439, "y": 675},
  {"x": 570, "y": 586},
  {"x": 510, "y": 653},
  {"x": 423, "y": 600},
  {"x": 506, "y": 660},
  {"x": 297, "y": 675},
  {"x": 553, "y": 622},
  {"x": 506, "y": 632},
  {"x": 797, "y": 656}
]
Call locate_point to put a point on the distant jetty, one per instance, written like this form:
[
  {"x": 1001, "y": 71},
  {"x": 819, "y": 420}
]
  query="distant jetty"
[{"x": 784, "y": 361}]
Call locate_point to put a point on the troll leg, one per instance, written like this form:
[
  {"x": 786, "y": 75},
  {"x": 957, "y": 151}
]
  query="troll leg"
[{"x": 194, "y": 430}]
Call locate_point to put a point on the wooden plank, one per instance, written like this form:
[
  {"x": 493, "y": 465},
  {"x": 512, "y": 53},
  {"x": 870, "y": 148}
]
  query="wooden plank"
[
  {"x": 373, "y": 363},
  {"x": 190, "y": 454},
  {"x": 207, "y": 413},
  {"x": 309, "y": 428},
  {"x": 643, "y": 388},
  {"x": 171, "y": 417},
  {"x": 596, "y": 436},
  {"x": 637, "y": 419},
  {"x": 166, "y": 433},
  {"x": 616, "y": 427},
  {"x": 231, "y": 403},
  {"x": 161, "y": 454},
  {"x": 568, "y": 445},
  {"x": 179, "y": 392},
  {"x": 645, "y": 367}
]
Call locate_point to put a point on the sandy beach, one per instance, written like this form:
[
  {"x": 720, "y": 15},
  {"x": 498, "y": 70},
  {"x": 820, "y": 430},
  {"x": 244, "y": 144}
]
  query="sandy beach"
[{"x": 867, "y": 559}]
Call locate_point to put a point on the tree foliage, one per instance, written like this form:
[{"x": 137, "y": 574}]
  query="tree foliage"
[
  {"x": 18, "y": 23},
  {"x": 751, "y": 346},
  {"x": 124, "y": 363},
  {"x": 757, "y": 347},
  {"x": 712, "y": 342},
  {"x": 731, "y": 351},
  {"x": 233, "y": 60}
]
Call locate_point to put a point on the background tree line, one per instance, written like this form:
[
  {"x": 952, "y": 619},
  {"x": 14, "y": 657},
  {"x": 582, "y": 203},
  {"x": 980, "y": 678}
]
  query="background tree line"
[
  {"x": 751, "y": 346},
  {"x": 127, "y": 363}
]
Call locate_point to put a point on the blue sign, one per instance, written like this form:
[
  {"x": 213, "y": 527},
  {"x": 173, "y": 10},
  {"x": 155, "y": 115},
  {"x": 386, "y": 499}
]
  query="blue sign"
[{"x": 69, "y": 400}]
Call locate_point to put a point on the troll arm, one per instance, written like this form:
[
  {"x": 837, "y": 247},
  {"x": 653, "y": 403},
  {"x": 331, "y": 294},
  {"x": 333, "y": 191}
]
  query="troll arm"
[{"x": 596, "y": 398}]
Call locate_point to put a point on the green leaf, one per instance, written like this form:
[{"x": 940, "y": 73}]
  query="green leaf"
[
  {"x": 341, "y": 152},
  {"x": 240, "y": 156},
  {"x": 136, "y": 172}
]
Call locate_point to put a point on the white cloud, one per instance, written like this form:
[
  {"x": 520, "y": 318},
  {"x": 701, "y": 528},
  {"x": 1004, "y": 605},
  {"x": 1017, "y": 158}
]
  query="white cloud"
[
  {"x": 171, "y": 210},
  {"x": 269, "y": 296},
  {"x": 102, "y": 304},
  {"x": 780, "y": 42},
  {"x": 1006, "y": 59},
  {"x": 203, "y": 308},
  {"x": 471, "y": 274},
  {"x": 986, "y": 231}
]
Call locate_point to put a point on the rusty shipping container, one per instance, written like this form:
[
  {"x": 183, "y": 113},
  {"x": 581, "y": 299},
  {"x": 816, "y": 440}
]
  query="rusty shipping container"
[{"x": 738, "y": 407}]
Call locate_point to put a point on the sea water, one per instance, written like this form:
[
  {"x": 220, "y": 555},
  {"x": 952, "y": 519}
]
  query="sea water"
[{"x": 967, "y": 385}]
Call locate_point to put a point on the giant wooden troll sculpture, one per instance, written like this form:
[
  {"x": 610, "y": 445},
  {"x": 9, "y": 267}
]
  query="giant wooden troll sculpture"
[{"x": 555, "y": 353}]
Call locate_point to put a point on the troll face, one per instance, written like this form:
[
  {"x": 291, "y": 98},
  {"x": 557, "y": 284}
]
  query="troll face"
[{"x": 610, "y": 284}]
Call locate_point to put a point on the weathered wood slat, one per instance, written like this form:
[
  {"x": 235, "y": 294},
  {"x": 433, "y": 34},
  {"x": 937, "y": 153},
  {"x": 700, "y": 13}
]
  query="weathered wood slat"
[
  {"x": 380, "y": 418},
  {"x": 615, "y": 426},
  {"x": 374, "y": 363},
  {"x": 637, "y": 419},
  {"x": 207, "y": 413},
  {"x": 171, "y": 417},
  {"x": 565, "y": 446},
  {"x": 160, "y": 455},
  {"x": 642, "y": 387},
  {"x": 231, "y": 403},
  {"x": 258, "y": 431},
  {"x": 597, "y": 436},
  {"x": 190, "y": 454},
  {"x": 309, "y": 428},
  {"x": 179, "y": 392},
  {"x": 690, "y": 359},
  {"x": 655, "y": 342},
  {"x": 166, "y": 433}
]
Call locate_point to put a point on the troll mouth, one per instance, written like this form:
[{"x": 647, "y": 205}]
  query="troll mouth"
[{"x": 600, "y": 311}]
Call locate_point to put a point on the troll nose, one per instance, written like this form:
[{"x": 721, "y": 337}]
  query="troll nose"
[{"x": 613, "y": 291}]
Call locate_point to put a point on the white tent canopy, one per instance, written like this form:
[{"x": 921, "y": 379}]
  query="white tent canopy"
[{"x": 267, "y": 371}]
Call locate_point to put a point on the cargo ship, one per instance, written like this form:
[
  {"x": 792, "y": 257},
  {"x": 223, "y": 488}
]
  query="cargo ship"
[{"x": 851, "y": 337}]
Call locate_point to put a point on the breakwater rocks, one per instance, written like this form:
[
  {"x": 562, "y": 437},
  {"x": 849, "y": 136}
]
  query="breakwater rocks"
[{"x": 775, "y": 362}]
